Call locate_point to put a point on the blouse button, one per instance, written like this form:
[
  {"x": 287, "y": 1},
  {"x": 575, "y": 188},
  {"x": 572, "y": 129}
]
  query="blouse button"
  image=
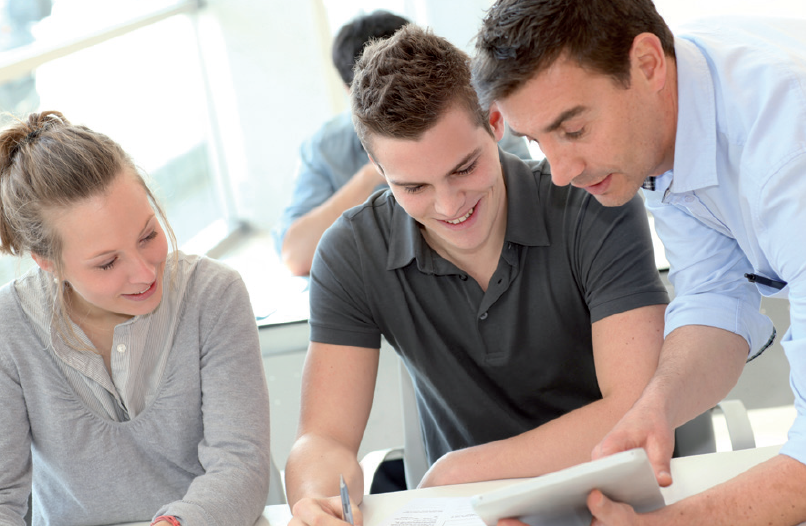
[{"x": 121, "y": 348}]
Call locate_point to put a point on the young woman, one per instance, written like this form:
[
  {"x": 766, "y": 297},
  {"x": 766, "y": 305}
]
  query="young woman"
[{"x": 131, "y": 381}]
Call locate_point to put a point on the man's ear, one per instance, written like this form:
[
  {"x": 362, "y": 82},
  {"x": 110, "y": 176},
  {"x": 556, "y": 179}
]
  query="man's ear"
[
  {"x": 496, "y": 122},
  {"x": 648, "y": 60},
  {"x": 44, "y": 263}
]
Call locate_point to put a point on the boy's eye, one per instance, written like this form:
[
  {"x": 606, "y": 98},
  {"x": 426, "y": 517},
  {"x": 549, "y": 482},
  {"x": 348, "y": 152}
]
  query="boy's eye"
[
  {"x": 469, "y": 169},
  {"x": 413, "y": 189}
]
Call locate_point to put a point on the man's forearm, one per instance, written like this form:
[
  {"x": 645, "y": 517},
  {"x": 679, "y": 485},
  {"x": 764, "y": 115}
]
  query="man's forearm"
[
  {"x": 770, "y": 493},
  {"x": 556, "y": 445},
  {"x": 698, "y": 366},
  {"x": 314, "y": 466}
]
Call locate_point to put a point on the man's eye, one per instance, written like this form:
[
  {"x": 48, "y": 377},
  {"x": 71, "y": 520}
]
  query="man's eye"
[{"x": 575, "y": 134}]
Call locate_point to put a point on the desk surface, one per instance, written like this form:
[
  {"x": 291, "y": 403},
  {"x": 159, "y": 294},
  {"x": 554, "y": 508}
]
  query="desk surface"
[{"x": 691, "y": 475}]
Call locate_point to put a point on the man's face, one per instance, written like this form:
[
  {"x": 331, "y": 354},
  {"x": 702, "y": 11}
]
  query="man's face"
[
  {"x": 595, "y": 133},
  {"x": 450, "y": 181}
]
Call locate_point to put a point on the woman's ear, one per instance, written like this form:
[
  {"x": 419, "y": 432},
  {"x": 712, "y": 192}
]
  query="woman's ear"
[{"x": 44, "y": 263}]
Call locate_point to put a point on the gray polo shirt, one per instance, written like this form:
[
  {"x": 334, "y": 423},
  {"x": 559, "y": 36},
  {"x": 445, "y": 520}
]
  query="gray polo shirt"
[{"x": 487, "y": 365}]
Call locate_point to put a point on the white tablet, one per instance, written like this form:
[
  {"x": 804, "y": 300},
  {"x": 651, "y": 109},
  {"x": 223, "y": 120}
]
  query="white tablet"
[{"x": 558, "y": 499}]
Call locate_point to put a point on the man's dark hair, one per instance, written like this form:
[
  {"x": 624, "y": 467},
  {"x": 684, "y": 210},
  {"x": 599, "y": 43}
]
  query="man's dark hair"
[
  {"x": 403, "y": 85},
  {"x": 521, "y": 38},
  {"x": 353, "y": 36}
]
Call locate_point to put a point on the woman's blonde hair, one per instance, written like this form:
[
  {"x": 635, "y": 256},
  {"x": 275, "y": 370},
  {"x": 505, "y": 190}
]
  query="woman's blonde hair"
[{"x": 47, "y": 164}]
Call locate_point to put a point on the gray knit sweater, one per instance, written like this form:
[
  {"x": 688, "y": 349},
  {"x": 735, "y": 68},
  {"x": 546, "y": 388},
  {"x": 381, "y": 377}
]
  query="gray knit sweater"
[{"x": 199, "y": 450}]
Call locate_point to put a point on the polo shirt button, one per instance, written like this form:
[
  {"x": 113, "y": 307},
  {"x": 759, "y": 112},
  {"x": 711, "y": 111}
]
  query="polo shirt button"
[
  {"x": 121, "y": 348},
  {"x": 463, "y": 277},
  {"x": 483, "y": 316}
]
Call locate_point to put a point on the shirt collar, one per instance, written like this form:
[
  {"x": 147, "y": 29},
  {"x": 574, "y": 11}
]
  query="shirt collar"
[
  {"x": 695, "y": 141},
  {"x": 524, "y": 227}
]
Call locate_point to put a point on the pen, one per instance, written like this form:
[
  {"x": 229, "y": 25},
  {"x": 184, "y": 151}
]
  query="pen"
[
  {"x": 346, "y": 508},
  {"x": 774, "y": 283}
]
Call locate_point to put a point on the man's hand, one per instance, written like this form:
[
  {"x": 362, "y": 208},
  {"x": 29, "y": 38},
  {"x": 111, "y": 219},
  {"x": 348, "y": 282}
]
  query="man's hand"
[
  {"x": 605, "y": 513},
  {"x": 323, "y": 512},
  {"x": 610, "y": 513},
  {"x": 642, "y": 426}
]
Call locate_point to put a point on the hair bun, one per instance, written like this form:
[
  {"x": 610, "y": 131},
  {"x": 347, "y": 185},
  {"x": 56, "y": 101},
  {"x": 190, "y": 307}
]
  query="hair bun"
[{"x": 23, "y": 132}]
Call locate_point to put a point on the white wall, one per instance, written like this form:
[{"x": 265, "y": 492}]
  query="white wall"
[{"x": 272, "y": 88}]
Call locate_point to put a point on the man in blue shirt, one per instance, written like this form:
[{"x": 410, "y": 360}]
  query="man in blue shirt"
[
  {"x": 334, "y": 173},
  {"x": 712, "y": 123}
]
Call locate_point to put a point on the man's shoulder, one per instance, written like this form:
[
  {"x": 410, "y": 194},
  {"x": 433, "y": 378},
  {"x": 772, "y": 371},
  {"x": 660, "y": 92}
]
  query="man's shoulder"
[
  {"x": 742, "y": 46},
  {"x": 373, "y": 219}
]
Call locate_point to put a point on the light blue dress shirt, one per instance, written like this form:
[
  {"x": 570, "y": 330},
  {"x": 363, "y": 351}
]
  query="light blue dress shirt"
[
  {"x": 330, "y": 158},
  {"x": 735, "y": 201}
]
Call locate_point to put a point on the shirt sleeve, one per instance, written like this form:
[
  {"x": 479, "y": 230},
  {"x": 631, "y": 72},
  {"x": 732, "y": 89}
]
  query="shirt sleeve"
[
  {"x": 782, "y": 236},
  {"x": 339, "y": 312},
  {"x": 15, "y": 445},
  {"x": 235, "y": 450},
  {"x": 614, "y": 258},
  {"x": 313, "y": 185},
  {"x": 707, "y": 272}
]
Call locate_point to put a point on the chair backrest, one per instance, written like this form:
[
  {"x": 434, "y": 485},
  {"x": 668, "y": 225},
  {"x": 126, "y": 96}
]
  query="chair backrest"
[
  {"x": 415, "y": 461},
  {"x": 697, "y": 437}
]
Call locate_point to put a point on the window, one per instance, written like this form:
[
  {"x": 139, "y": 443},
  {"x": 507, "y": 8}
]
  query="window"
[{"x": 132, "y": 70}]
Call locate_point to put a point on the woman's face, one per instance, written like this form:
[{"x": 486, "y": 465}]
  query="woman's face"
[{"x": 113, "y": 252}]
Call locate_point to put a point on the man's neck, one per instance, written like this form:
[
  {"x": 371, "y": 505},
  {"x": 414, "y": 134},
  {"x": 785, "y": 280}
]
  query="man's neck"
[{"x": 669, "y": 116}]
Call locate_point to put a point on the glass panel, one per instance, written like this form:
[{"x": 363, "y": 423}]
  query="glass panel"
[
  {"x": 51, "y": 22},
  {"x": 146, "y": 90}
]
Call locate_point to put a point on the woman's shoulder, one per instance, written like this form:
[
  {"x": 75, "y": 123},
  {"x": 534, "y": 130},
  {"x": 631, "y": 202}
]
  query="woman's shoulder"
[
  {"x": 204, "y": 275},
  {"x": 30, "y": 292}
]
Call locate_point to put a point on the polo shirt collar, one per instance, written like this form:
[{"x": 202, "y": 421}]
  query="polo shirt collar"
[
  {"x": 524, "y": 225},
  {"x": 406, "y": 242},
  {"x": 695, "y": 141}
]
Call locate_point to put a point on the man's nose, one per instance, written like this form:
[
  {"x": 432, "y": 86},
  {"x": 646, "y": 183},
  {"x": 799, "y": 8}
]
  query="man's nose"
[{"x": 565, "y": 164}]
